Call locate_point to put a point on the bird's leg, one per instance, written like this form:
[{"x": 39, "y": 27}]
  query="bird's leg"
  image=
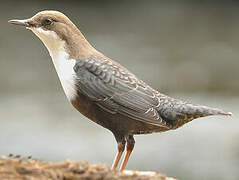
[
  {"x": 129, "y": 148},
  {"x": 121, "y": 145}
]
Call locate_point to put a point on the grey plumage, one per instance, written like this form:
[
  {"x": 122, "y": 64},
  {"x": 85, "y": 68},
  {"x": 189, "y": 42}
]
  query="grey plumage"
[{"x": 116, "y": 90}]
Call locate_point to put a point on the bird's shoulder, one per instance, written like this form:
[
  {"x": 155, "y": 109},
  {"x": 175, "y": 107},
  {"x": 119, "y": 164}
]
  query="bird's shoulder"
[{"x": 110, "y": 72}]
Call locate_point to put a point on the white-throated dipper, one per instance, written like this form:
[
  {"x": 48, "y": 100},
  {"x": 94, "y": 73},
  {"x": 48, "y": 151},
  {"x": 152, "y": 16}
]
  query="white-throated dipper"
[{"x": 106, "y": 92}]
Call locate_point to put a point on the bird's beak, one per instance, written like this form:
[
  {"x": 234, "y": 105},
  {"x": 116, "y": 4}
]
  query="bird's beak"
[{"x": 24, "y": 22}]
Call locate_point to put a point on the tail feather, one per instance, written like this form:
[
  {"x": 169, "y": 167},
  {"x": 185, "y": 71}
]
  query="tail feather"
[
  {"x": 207, "y": 111},
  {"x": 188, "y": 112},
  {"x": 178, "y": 112}
]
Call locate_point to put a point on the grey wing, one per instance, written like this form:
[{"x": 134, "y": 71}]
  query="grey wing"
[{"x": 117, "y": 91}]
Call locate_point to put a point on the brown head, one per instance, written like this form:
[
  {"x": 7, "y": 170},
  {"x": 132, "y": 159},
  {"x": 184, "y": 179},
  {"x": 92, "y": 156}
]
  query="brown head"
[{"x": 57, "y": 31}]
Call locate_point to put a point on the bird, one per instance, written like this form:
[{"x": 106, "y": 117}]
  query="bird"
[{"x": 105, "y": 91}]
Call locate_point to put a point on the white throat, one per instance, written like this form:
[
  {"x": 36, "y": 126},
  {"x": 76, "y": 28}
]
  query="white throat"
[{"x": 60, "y": 58}]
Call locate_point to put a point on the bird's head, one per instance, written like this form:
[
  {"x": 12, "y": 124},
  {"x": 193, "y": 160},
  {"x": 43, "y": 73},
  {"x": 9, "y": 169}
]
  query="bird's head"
[{"x": 56, "y": 31}]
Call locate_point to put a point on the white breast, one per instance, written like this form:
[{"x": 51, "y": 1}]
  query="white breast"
[
  {"x": 64, "y": 68},
  {"x": 60, "y": 58}
]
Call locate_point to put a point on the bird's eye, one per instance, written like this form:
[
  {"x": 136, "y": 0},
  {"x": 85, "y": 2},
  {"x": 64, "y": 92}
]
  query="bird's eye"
[{"x": 47, "y": 22}]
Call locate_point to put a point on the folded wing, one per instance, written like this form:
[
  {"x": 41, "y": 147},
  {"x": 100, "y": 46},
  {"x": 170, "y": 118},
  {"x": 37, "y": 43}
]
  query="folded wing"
[{"x": 116, "y": 90}]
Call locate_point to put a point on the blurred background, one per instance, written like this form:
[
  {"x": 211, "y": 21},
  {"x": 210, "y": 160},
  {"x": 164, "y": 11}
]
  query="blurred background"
[{"x": 186, "y": 49}]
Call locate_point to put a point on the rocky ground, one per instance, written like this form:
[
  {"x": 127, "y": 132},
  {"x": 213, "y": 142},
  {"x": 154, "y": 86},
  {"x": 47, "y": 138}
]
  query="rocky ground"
[{"x": 18, "y": 168}]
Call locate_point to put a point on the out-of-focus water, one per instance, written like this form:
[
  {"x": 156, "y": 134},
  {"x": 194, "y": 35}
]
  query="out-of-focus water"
[{"x": 187, "y": 49}]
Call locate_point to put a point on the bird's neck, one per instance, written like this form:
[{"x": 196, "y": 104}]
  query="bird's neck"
[
  {"x": 75, "y": 45},
  {"x": 78, "y": 47},
  {"x": 63, "y": 59}
]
